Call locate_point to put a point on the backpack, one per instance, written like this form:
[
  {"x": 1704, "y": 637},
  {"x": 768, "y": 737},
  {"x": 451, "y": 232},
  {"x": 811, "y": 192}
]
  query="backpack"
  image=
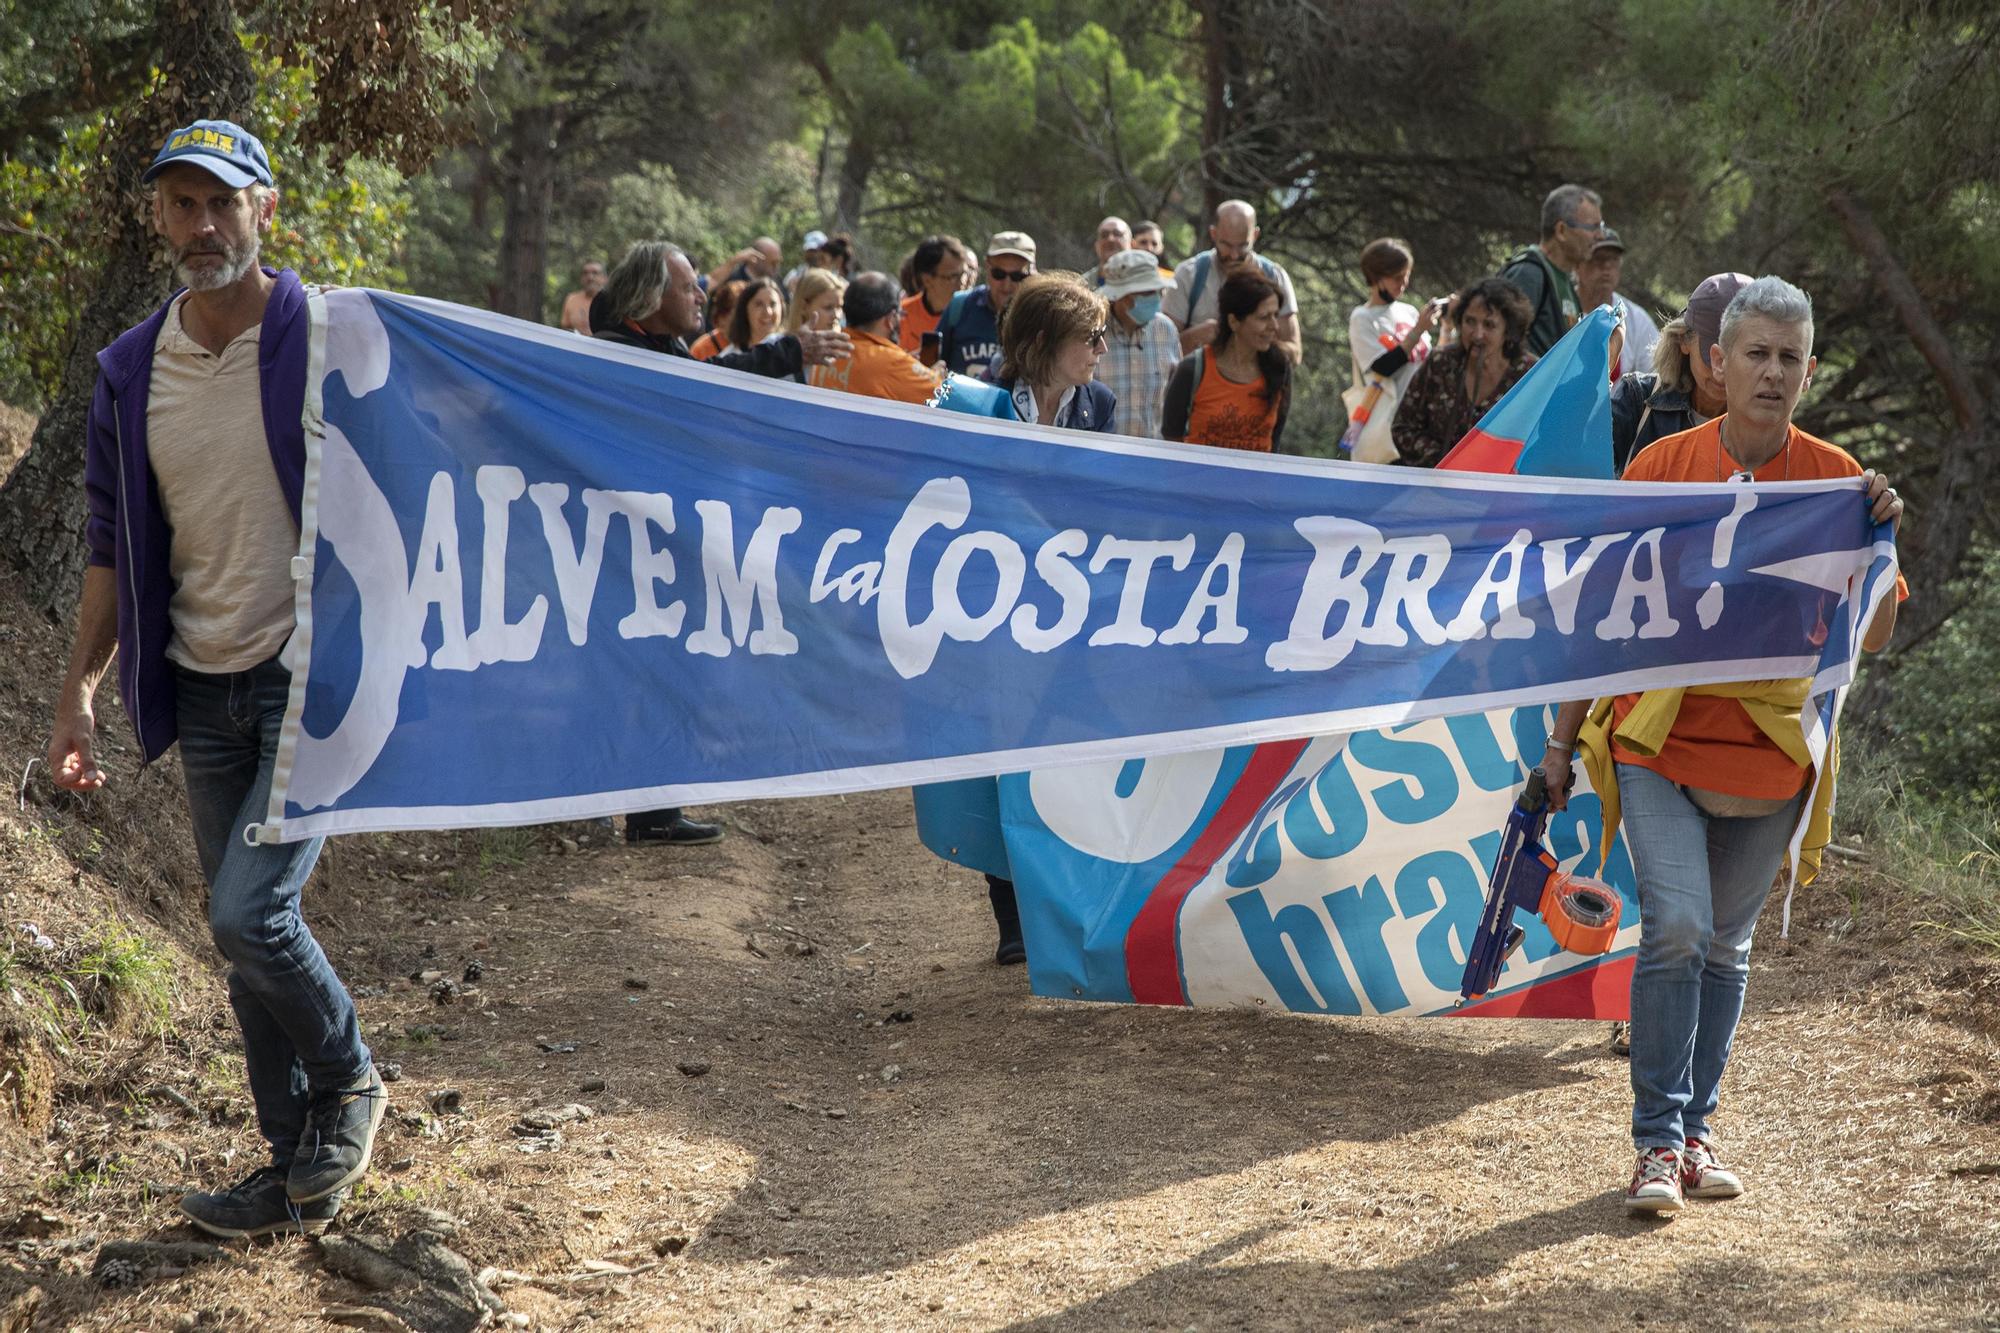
[
  {"x": 1549, "y": 296},
  {"x": 1205, "y": 261},
  {"x": 948, "y": 321}
]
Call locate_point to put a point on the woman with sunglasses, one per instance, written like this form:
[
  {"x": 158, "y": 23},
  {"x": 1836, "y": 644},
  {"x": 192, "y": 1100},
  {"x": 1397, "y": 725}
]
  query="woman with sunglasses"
[
  {"x": 1050, "y": 340},
  {"x": 1234, "y": 393},
  {"x": 1051, "y": 336}
]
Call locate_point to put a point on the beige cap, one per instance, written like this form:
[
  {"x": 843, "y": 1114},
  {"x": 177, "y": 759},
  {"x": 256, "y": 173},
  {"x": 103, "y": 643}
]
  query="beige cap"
[
  {"x": 1130, "y": 271},
  {"x": 1012, "y": 243}
]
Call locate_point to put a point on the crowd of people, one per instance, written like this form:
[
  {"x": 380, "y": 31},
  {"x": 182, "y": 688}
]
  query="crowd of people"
[
  {"x": 196, "y": 456},
  {"x": 1202, "y": 352}
]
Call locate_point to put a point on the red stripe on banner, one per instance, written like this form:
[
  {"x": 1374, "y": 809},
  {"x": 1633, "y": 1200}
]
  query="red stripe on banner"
[
  {"x": 1152, "y": 944},
  {"x": 1480, "y": 452},
  {"x": 1604, "y": 991}
]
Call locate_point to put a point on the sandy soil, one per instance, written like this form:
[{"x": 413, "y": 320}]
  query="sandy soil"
[{"x": 885, "y": 1131}]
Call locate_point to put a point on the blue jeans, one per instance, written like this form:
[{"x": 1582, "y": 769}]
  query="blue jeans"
[
  {"x": 1702, "y": 883},
  {"x": 300, "y": 1031}
]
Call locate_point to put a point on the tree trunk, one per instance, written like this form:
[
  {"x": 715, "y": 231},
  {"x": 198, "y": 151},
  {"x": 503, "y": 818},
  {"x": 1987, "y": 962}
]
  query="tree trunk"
[
  {"x": 1940, "y": 534},
  {"x": 1215, "y": 108},
  {"x": 481, "y": 201},
  {"x": 856, "y": 165},
  {"x": 42, "y": 508},
  {"x": 528, "y": 189}
]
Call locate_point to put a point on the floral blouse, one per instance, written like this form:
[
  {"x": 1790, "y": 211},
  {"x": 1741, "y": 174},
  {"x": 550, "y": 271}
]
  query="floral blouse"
[{"x": 1435, "y": 414}]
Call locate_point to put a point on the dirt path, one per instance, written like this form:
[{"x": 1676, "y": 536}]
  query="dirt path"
[{"x": 878, "y": 1129}]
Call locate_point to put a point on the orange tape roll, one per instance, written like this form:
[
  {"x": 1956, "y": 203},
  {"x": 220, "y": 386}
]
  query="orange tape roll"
[{"x": 1581, "y": 913}]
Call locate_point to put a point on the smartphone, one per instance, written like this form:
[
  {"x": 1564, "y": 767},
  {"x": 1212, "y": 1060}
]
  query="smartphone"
[{"x": 930, "y": 348}]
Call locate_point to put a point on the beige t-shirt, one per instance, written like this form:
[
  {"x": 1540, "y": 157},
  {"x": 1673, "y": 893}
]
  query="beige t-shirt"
[{"x": 233, "y": 533}]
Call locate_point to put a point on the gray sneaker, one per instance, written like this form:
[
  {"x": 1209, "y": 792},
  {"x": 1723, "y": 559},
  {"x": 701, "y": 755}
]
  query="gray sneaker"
[
  {"x": 258, "y": 1206},
  {"x": 339, "y": 1137}
]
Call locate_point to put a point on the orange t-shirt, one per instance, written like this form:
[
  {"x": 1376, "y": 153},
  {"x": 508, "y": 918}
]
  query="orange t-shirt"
[
  {"x": 917, "y": 321},
  {"x": 1714, "y": 744},
  {"x": 878, "y": 368},
  {"x": 1231, "y": 415},
  {"x": 710, "y": 345}
]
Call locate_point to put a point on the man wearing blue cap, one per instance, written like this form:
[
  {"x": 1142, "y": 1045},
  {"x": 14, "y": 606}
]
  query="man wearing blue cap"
[{"x": 194, "y": 467}]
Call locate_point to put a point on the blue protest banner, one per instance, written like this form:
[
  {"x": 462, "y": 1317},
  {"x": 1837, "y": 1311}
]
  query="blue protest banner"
[
  {"x": 543, "y": 577},
  {"x": 1336, "y": 876}
]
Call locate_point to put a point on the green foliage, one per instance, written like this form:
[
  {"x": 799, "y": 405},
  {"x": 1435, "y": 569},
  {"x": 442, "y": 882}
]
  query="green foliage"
[
  {"x": 1941, "y": 847},
  {"x": 123, "y": 972},
  {"x": 653, "y": 202},
  {"x": 342, "y": 225},
  {"x": 449, "y": 247},
  {"x": 63, "y": 995},
  {"x": 88, "y": 1178},
  {"x": 1944, "y": 723},
  {"x": 44, "y": 67},
  {"x": 45, "y": 265},
  {"x": 1017, "y": 127},
  {"x": 504, "y": 847}
]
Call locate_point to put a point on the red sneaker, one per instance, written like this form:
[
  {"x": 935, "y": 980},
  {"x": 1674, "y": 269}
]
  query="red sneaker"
[
  {"x": 1705, "y": 1177},
  {"x": 1656, "y": 1183}
]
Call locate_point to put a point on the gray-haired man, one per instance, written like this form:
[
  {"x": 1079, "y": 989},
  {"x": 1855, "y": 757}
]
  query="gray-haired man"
[{"x": 1572, "y": 222}]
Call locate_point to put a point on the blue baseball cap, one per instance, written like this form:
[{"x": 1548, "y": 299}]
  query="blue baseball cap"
[{"x": 222, "y": 148}]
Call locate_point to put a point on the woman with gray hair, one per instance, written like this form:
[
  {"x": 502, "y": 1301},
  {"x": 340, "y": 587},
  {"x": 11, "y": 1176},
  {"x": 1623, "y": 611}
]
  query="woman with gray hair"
[
  {"x": 1683, "y": 391},
  {"x": 1714, "y": 782}
]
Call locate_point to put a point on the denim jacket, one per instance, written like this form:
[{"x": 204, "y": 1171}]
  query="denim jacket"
[{"x": 1641, "y": 412}]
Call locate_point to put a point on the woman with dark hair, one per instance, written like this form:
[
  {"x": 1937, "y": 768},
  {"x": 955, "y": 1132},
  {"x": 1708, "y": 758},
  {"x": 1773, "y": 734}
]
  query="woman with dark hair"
[
  {"x": 839, "y": 251},
  {"x": 1456, "y": 386},
  {"x": 1234, "y": 393},
  {"x": 759, "y": 313},
  {"x": 932, "y": 276},
  {"x": 721, "y": 307}
]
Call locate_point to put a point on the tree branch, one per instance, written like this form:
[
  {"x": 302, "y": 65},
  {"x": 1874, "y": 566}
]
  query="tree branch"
[
  {"x": 1968, "y": 406},
  {"x": 37, "y": 117}
]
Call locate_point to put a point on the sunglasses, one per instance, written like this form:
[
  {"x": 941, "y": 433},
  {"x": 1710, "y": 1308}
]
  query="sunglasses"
[
  {"x": 1007, "y": 274},
  {"x": 1097, "y": 337}
]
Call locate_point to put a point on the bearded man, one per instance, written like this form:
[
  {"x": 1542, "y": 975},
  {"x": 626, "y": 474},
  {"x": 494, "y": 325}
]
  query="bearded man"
[{"x": 195, "y": 464}]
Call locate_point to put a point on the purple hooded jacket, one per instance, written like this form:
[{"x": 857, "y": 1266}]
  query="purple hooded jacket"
[{"x": 128, "y": 531}]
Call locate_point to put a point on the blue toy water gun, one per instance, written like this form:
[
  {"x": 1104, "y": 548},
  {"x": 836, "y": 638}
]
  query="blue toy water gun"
[{"x": 1581, "y": 913}]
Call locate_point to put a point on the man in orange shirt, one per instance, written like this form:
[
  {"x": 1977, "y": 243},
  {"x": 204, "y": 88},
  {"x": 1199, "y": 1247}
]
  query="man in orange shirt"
[
  {"x": 1711, "y": 806},
  {"x": 879, "y": 367}
]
